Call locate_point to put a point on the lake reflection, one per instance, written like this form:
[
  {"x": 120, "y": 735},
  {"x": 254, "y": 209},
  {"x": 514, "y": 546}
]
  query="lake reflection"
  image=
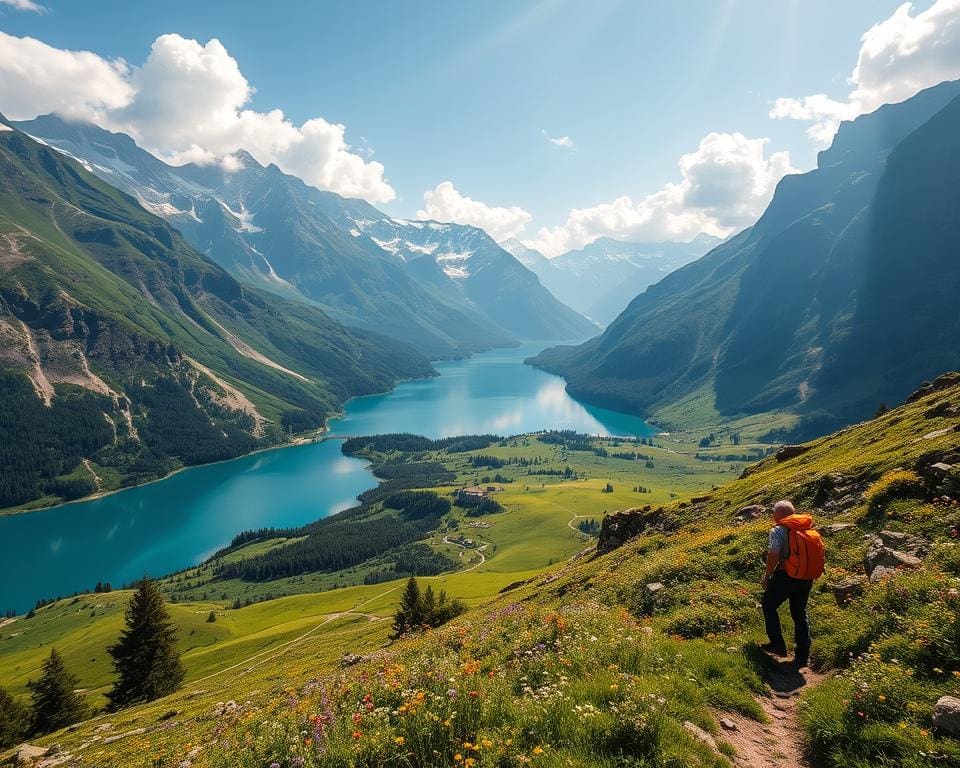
[{"x": 178, "y": 522}]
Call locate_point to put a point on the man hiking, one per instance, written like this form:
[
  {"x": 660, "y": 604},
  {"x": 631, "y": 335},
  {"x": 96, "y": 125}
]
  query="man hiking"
[{"x": 794, "y": 560}]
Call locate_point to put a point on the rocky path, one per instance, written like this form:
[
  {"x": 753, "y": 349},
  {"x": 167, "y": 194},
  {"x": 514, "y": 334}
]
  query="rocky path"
[{"x": 779, "y": 742}]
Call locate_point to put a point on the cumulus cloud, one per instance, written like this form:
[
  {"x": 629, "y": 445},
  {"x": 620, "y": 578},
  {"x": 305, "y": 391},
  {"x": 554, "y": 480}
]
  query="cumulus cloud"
[
  {"x": 186, "y": 103},
  {"x": 36, "y": 78},
  {"x": 558, "y": 141},
  {"x": 725, "y": 185},
  {"x": 24, "y": 5},
  {"x": 445, "y": 203},
  {"x": 898, "y": 57}
]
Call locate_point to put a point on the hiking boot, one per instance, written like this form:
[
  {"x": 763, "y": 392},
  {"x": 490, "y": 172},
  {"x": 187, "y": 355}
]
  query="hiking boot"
[{"x": 776, "y": 650}]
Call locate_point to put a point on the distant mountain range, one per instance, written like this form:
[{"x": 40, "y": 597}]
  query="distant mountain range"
[
  {"x": 125, "y": 353},
  {"x": 600, "y": 279},
  {"x": 842, "y": 296},
  {"x": 447, "y": 289}
]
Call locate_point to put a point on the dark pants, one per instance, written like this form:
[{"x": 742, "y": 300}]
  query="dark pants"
[{"x": 780, "y": 589}]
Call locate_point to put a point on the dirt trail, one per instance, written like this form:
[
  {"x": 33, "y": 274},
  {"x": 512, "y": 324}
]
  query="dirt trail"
[{"x": 780, "y": 742}]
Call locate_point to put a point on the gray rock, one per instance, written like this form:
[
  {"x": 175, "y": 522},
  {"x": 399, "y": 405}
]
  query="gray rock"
[
  {"x": 882, "y": 572},
  {"x": 26, "y": 754},
  {"x": 880, "y": 555},
  {"x": 654, "y": 587},
  {"x": 727, "y": 724},
  {"x": 835, "y": 528},
  {"x": 905, "y": 542},
  {"x": 846, "y": 590},
  {"x": 701, "y": 735},
  {"x": 788, "y": 452},
  {"x": 749, "y": 513},
  {"x": 946, "y": 715}
]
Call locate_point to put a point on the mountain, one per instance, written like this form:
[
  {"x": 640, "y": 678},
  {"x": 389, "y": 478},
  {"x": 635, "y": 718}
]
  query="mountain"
[
  {"x": 600, "y": 279},
  {"x": 465, "y": 261},
  {"x": 839, "y": 298},
  {"x": 531, "y": 258},
  {"x": 272, "y": 230},
  {"x": 125, "y": 353}
]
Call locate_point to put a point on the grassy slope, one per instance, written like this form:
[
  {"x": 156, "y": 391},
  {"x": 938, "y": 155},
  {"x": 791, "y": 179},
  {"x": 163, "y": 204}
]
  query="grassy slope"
[
  {"x": 577, "y": 664},
  {"x": 85, "y": 256}
]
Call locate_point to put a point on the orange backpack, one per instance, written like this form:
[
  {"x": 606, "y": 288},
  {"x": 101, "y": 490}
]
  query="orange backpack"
[{"x": 806, "y": 558}]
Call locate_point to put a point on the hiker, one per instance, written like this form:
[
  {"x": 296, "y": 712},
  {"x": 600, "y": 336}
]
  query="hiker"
[{"x": 794, "y": 560}]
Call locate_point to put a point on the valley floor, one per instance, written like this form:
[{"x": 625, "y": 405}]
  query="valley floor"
[{"x": 635, "y": 657}]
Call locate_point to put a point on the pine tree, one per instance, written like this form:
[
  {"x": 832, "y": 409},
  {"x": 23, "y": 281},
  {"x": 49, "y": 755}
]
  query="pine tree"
[
  {"x": 410, "y": 613},
  {"x": 56, "y": 704},
  {"x": 429, "y": 603},
  {"x": 14, "y": 720},
  {"x": 145, "y": 657}
]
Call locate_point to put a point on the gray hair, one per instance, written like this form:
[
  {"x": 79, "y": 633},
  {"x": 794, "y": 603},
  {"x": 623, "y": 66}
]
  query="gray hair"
[{"x": 784, "y": 507}]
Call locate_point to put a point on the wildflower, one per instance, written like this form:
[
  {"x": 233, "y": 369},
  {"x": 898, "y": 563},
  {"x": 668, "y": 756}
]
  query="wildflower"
[
  {"x": 487, "y": 743},
  {"x": 474, "y": 694},
  {"x": 881, "y": 697},
  {"x": 538, "y": 750},
  {"x": 357, "y": 735},
  {"x": 399, "y": 741}
]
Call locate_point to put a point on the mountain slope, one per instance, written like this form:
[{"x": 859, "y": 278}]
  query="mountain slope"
[
  {"x": 766, "y": 320},
  {"x": 639, "y": 650},
  {"x": 600, "y": 279},
  {"x": 270, "y": 230},
  {"x": 121, "y": 344},
  {"x": 465, "y": 261}
]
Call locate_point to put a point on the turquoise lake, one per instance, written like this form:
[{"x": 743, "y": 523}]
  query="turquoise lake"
[{"x": 179, "y": 521}]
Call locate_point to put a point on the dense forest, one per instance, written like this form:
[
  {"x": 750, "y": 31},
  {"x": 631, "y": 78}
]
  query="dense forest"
[{"x": 387, "y": 525}]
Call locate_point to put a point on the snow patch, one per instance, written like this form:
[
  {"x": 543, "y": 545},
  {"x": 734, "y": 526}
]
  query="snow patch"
[{"x": 243, "y": 216}]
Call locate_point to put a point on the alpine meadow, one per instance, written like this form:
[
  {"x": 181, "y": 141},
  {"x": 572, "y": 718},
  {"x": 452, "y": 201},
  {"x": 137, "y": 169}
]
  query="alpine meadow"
[{"x": 480, "y": 385}]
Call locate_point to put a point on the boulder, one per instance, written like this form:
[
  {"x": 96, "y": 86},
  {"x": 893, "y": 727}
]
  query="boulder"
[
  {"x": 888, "y": 558},
  {"x": 701, "y": 735},
  {"x": 727, "y": 724},
  {"x": 943, "y": 381},
  {"x": 654, "y": 587},
  {"x": 942, "y": 410},
  {"x": 946, "y": 715},
  {"x": 905, "y": 542},
  {"x": 617, "y": 529},
  {"x": 844, "y": 591},
  {"x": 882, "y": 572},
  {"x": 26, "y": 754},
  {"x": 748, "y": 514},
  {"x": 834, "y": 528},
  {"x": 788, "y": 452}
]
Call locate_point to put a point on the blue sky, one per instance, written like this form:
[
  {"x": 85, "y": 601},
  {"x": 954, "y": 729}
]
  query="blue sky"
[{"x": 469, "y": 92}]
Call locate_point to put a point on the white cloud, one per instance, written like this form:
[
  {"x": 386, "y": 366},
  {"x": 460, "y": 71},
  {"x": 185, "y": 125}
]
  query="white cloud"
[
  {"x": 559, "y": 141},
  {"x": 36, "y": 78},
  {"x": 726, "y": 183},
  {"x": 25, "y": 5},
  {"x": 445, "y": 203},
  {"x": 186, "y": 104},
  {"x": 898, "y": 57}
]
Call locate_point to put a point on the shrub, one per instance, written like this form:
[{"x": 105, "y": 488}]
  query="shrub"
[{"x": 897, "y": 483}]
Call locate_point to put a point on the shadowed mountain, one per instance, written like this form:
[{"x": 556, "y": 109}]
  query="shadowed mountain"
[{"x": 840, "y": 297}]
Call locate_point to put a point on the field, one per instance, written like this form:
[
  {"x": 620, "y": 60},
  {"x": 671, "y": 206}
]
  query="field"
[{"x": 536, "y": 530}]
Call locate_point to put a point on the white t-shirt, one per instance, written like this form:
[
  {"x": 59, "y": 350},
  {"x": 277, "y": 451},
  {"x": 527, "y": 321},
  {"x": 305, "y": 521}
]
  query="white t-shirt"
[{"x": 779, "y": 541}]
